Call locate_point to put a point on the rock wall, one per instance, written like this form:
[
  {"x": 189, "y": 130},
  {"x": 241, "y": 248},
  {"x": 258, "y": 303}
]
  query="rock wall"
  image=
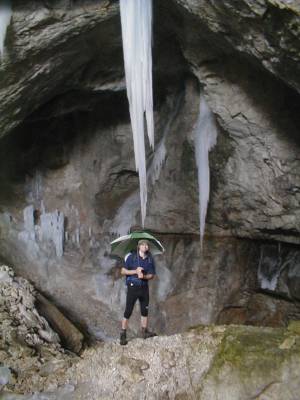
[
  {"x": 68, "y": 181},
  {"x": 255, "y": 195}
]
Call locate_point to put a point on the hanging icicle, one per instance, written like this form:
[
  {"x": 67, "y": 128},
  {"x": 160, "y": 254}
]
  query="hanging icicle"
[
  {"x": 5, "y": 17},
  {"x": 136, "y": 21},
  {"x": 205, "y": 135}
]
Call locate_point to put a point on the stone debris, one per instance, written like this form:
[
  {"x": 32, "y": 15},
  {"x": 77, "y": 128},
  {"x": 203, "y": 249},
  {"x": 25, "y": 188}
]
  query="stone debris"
[{"x": 31, "y": 356}]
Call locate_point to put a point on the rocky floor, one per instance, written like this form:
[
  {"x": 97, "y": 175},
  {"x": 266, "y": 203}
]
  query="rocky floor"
[
  {"x": 208, "y": 363},
  {"x": 230, "y": 362}
]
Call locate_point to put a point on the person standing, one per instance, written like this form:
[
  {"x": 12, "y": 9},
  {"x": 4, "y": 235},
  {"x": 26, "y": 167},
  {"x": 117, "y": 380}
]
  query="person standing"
[{"x": 139, "y": 269}]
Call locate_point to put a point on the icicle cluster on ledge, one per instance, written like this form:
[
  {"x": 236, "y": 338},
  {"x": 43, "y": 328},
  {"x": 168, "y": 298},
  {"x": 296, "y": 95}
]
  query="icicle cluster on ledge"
[{"x": 136, "y": 22}]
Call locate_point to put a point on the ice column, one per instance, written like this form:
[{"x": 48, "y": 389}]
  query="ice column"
[
  {"x": 29, "y": 221},
  {"x": 52, "y": 229},
  {"x": 270, "y": 267},
  {"x": 205, "y": 139},
  {"x": 136, "y": 22},
  {"x": 5, "y": 17},
  {"x": 126, "y": 215}
]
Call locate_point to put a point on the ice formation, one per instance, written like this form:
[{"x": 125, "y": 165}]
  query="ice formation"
[
  {"x": 52, "y": 229},
  {"x": 136, "y": 22},
  {"x": 29, "y": 220},
  {"x": 270, "y": 267},
  {"x": 5, "y": 17},
  {"x": 268, "y": 282},
  {"x": 126, "y": 215},
  {"x": 205, "y": 134}
]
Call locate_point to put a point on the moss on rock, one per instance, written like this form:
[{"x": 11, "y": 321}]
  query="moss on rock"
[
  {"x": 250, "y": 360},
  {"x": 294, "y": 327}
]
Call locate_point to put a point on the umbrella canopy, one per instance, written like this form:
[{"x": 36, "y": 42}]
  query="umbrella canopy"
[{"x": 125, "y": 244}]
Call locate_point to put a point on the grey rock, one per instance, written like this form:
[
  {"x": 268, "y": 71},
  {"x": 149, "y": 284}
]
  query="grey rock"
[
  {"x": 4, "y": 277},
  {"x": 5, "y": 375}
]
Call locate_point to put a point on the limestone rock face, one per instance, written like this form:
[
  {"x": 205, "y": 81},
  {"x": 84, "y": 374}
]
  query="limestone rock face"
[
  {"x": 265, "y": 31},
  {"x": 43, "y": 56},
  {"x": 67, "y": 173}
]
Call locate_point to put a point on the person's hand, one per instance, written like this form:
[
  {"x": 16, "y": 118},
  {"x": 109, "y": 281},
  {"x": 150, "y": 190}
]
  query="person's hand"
[{"x": 140, "y": 272}]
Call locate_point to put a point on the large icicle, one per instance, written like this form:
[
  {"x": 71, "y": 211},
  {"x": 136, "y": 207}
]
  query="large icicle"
[
  {"x": 136, "y": 21},
  {"x": 205, "y": 139},
  {"x": 5, "y": 17},
  {"x": 126, "y": 215}
]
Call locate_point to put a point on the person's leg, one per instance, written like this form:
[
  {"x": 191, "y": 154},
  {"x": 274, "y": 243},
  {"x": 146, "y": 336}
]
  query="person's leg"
[
  {"x": 130, "y": 301},
  {"x": 124, "y": 323},
  {"x": 144, "y": 303},
  {"x": 144, "y": 322}
]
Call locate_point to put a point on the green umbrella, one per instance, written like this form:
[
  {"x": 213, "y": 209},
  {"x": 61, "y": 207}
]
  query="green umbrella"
[{"x": 125, "y": 244}]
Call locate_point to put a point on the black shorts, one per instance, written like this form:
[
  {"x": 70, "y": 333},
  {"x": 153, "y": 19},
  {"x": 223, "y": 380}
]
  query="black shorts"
[{"x": 135, "y": 293}]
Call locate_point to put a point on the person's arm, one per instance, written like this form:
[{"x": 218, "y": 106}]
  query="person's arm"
[
  {"x": 148, "y": 277},
  {"x": 128, "y": 269},
  {"x": 151, "y": 272},
  {"x": 125, "y": 271}
]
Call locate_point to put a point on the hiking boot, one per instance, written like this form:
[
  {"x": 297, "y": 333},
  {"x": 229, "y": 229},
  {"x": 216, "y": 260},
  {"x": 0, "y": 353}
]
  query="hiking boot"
[
  {"x": 147, "y": 334},
  {"x": 123, "y": 338}
]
